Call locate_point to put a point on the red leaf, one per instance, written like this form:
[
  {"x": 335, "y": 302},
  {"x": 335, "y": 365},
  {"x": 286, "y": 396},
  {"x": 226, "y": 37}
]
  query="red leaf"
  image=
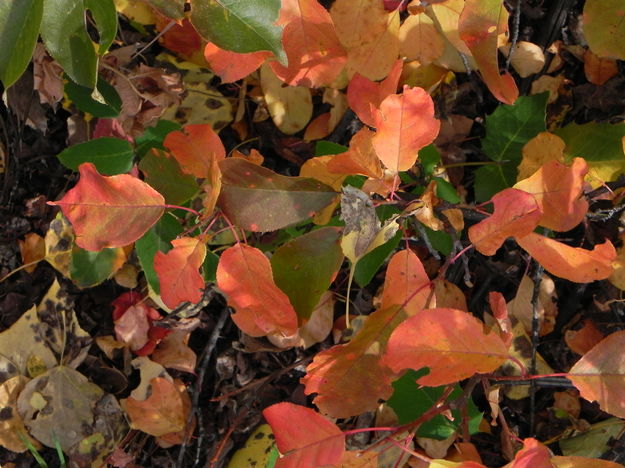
[
  {"x": 532, "y": 455},
  {"x": 244, "y": 275},
  {"x": 450, "y": 342},
  {"x": 481, "y": 22},
  {"x": 177, "y": 271},
  {"x": 196, "y": 149},
  {"x": 232, "y": 66},
  {"x": 516, "y": 213},
  {"x": 558, "y": 191},
  {"x": 405, "y": 123},
  {"x": 110, "y": 211},
  {"x": 571, "y": 263},
  {"x": 304, "y": 437},
  {"x": 406, "y": 284}
]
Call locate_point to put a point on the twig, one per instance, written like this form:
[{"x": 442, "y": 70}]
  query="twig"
[{"x": 535, "y": 337}]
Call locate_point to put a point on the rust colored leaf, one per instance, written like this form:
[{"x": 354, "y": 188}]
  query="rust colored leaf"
[
  {"x": 481, "y": 22},
  {"x": 599, "y": 70},
  {"x": 450, "y": 342},
  {"x": 405, "y": 123},
  {"x": 244, "y": 275},
  {"x": 110, "y": 211},
  {"x": 364, "y": 95},
  {"x": 558, "y": 190},
  {"x": 232, "y": 66},
  {"x": 305, "y": 438},
  {"x": 360, "y": 158},
  {"x": 316, "y": 57},
  {"x": 178, "y": 273},
  {"x": 516, "y": 213},
  {"x": 195, "y": 149},
  {"x": 583, "y": 340},
  {"x": 571, "y": 263},
  {"x": 406, "y": 284},
  {"x": 33, "y": 249},
  {"x": 600, "y": 374},
  {"x": 349, "y": 379}
]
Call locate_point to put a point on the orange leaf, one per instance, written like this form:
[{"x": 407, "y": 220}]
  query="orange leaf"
[
  {"x": 349, "y": 379},
  {"x": 406, "y": 284},
  {"x": 177, "y": 271},
  {"x": 33, "y": 249},
  {"x": 305, "y": 438},
  {"x": 532, "y": 455},
  {"x": 110, "y": 211},
  {"x": 500, "y": 311},
  {"x": 165, "y": 411},
  {"x": 196, "y": 149},
  {"x": 450, "y": 342},
  {"x": 181, "y": 38},
  {"x": 364, "y": 95},
  {"x": 318, "y": 127},
  {"x": 481, "y": 21},
  {"x": 232, "y": 66},
  {"x": 516, "y": 213},
  {"x": 598, "y": 70},
  {"x": 583, "y": 340},
  {"x": 360, "y": 158},
  {"x": 600, "y": 374},
  {"x": 571, "y": 263},
  {"x": 405, "y": 123},
  {"x": 558, "y": 191},
  {"x": 172, "y": 352},
  {"x": 244, "y": 275},
  {"x": 315, "y": 54}
]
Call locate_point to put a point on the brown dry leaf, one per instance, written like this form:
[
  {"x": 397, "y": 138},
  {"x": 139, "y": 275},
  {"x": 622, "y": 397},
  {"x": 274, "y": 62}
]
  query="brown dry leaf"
[
  {"x": 521, "y": 306},
  {"x": 599, "y": 70},
  {"x": 48, "y": 77},
  {"x": 11, "y": 424},
  {"x": 59, "y": 241},
  {"x": 581, "y": 341},
  {"x": 543, "y": 148},
  {"x": 553, "y": 84},
  {"x": 33, "y": 250},
  {"x": 108, "y": 344},
  {"x": 423, "y": 209},
  {"x": 148, "y": 370},
  {"x": 173, "y": 352},
  {"x": 254, "y": 156},
  {"x": 290, "y": 106},
  {"x": 455, "y": 218},
  {"x": 420, "y": 40},
  {"x": 527, "y": 58}
]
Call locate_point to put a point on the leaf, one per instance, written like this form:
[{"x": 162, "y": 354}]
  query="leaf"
[
  {"x": 231, "y": 66},
  {"x": 516, "y": 213},
  {"x": 19, "y": 29},
  {"x": 405, "y": 123},
  {"x": 244, "y": 275},
  {"x": 507, "y": 131},
  {"x": 600, "y": 374},
  {"x": 558, "y": 190},
  {"x": 420, "y": 40},
  {"x": 241, "y": 27},
  {"x": 582, "y": 462},
  {"x": 12, "y": 425},
  {"x": 604, "y": 28},
  {"x": 89, "y": 269},
  {"x": 32, "y": 250},
  {"x": 174, "y": 353},
  {"x": 132, "y": 327},
  {"x": 304, "y": 267},
  {"x": 304, "y": 437},
  {"x": 164, "y": 411},
  {"x": 257, "y": 199},
  {"x": 532, "y": 455},
  {"x": 364, "y": 95},
  {"x": 360, "y": 159},
  {"x": 59, "y": 242},
  {"x": 153, "y": 137},
  {"x": 406, "y": 283},
  {"x": 448, "y": 341},
  {"x": 527, "y": 58},
  {"x": 173, "y": 9},
  {"x": 599, "y": 70},
  {"x": 350, "y": 379},
  {"x": 543, "y": 148},
  {"x": 110, "y": 156},
  {"x": 290, "y": 106},
  {"x": 571, "y": 263},
  {"x": 110, "y": 211},
  {"x": 178, "y": 273},
  {"x": 480, "y": 23},
  {"x": 163, "y": 173},
  {"x": 82, "y": 99},
  {"x": 371, "y": 37},
  {"x": 583, "y": 340},
  {"x": 315, "y": 55},
  {"x": 196, "y": 148},
  {"x": 257, "y": 449},
  {"x": 370, "y": 264}
]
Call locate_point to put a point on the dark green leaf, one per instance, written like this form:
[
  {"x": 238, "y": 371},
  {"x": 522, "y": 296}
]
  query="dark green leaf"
[
  {"x": 164, "y": 175},
  {"x": 242, "y": 26},
  {"x": 91, "y": 268},
  {"x": 429, "y": 158},
  {"x": 19, "y": 29},
  {"x": 368, "y": 266},
  {"x": 323, "y": 148},
  {"x": 210, "y": 266},
  {"x": 439, "y": 240},
  {"x": 104, "y": 15},
  {"x": 153, "y": 137},
  {"x": 81, "y": 97},
  {"x": 110, "y": 155}
]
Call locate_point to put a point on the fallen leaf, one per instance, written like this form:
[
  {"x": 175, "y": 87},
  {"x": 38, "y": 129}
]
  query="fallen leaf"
[
  {"x": 110, "y": 211},
  {"x": 132, "y": 327},
  {"x": 59, "y": 241},
  {"x": 522, "y": 307},
  {"x": 33, "y": 250},
  {"x": 12, "y": 425},
  {"x": 532, "y": 455}
]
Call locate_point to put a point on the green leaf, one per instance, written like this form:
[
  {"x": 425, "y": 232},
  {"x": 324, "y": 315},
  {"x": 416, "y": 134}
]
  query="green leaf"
[
  {"x": 91, "y": 268},
  {"x": 304, "y": 267},
  {"x": 173, "y": 9},
  {"x": 410, "y": 401},
  {"x": 153, "y": 137},
  {"x": 439, "y": 240},
  {"x": 210, "y": 266},
  {"x": 81, "y": 97},
  {"x": 507, "y": 131},
  {"x": 593, "y": 141},
  {"x": 324, "y": 148},
  {"x": 604, "y": 28},
  {"x": 157, "y": 239},
  {"x": 104, "y": 14},
  {"x": 368, "y": 266},
  {"x": 429, "y": 158},
  {"x": 446, "y": 191},
  {"x": 110, "y": 155},
  {"x": 19, "y": 29},
  {"x": 242, "y": 26},
  {"x": 257, "y": 199},
  {"x": 164, "y": 175}
]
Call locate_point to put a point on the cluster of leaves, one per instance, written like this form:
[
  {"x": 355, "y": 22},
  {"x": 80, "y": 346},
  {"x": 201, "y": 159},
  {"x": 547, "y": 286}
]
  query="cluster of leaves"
[{"x": 192, "y": 213}]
